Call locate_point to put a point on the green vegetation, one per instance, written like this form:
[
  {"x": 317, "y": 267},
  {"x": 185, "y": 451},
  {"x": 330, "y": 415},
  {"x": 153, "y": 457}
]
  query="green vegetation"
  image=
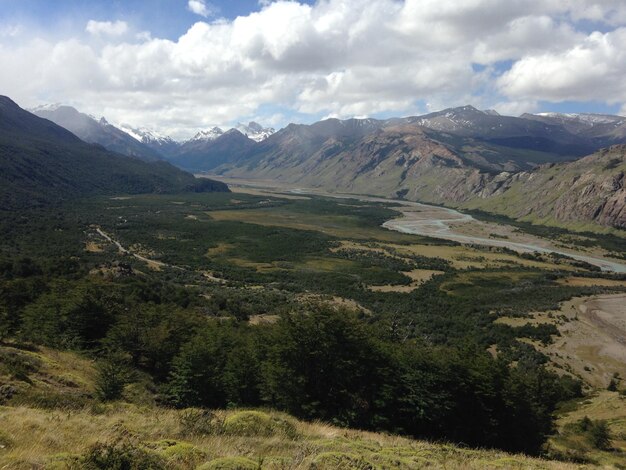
[
  {"x": 609, "y": 241},
  {"x": 175, "y": 327}
]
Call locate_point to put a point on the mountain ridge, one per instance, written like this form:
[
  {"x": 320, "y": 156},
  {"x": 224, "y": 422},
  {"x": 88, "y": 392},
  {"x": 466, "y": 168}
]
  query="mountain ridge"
[
  {"x": 97, "y": 131},
  {"x": 42, "y": 163}
]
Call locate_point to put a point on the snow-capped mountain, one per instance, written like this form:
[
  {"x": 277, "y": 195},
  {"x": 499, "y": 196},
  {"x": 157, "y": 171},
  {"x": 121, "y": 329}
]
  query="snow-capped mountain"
[
  {"x": 255, "y": 131},
  {"x": 252, "y": 130},
  {"x": 162, "y": 143},
  {"x": 207, "y": 135},
  {"x": 145, "y": 135},
  {"x": 602, "y": 129},
  {"x": 96, "y": 131},
  {"x": 588, "y": 118}
]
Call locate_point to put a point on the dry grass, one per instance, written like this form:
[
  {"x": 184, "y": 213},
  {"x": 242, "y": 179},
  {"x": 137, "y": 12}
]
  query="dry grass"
[
  {"x": 604, "y": 405},
  {"x": 591, "y": 281},
  {"x": 418, "y": 277},
  {"x": 220, "y": 249},
  {"x": 34, "y": 437},
  {"x": 93, "y": 247},
  {"x": 592, "y": 341},
  {"x": 335, "y": 225},
  {"x": 39, "y": 437}
]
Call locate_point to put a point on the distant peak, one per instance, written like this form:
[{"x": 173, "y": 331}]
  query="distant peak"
[
  {"x": 468, "y": 108},
  {"x": 255, "y": 131},
  {"x": 210, "y": 134},
  {"x": 47, "y": 107}
]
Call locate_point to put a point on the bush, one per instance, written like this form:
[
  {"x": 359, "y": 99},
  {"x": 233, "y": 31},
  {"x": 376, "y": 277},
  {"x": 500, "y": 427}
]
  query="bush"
[
  {"x": 596, "y": 431},
  {"x": 600, "y": 435},
  {"x": 198, "y": 422},
  {"x": 121, "y": 456},
  {"x": 258, "y": 424},
  {"x": 113, "y": 375}
]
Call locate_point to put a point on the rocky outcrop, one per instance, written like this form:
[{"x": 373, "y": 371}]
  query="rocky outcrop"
[{"x": 589, "y": 190}]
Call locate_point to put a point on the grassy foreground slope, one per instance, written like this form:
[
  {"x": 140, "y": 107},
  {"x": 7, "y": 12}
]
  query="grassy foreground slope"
[{"x": 55, "y": 421}]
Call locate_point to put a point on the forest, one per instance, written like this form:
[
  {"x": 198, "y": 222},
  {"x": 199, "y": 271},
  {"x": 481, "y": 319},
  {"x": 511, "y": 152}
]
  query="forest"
[{"x": 414, "y": 363}]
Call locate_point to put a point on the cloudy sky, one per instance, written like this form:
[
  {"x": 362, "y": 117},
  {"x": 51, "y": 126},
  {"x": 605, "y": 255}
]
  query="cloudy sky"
[{"x": 182, "y": 65}]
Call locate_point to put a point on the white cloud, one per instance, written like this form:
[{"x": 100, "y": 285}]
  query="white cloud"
[
  {"x": 335, "y": 57},
  {"x": 200, "y": 7},
  {"x": 108, "y": 28},
  {"x": 590, "y": 70},
  {"x": 11, "y": 30}
]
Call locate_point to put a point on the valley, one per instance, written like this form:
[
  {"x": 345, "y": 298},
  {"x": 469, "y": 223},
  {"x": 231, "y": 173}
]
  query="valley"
[
  {"x": 187, "y": 316},
  {"x": 247, "y": 264},
  {"x": 449, "y": 224},
  {"x": 313, "y": 235}
]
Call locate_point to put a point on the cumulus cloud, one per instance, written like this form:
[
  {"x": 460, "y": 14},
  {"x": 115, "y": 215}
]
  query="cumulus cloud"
[
  {"x": 108, "y": 28},
  {"x": 335, "y": 57},
  {"x": 590, "y": 70},
  {"x": 200, "y": 7}
]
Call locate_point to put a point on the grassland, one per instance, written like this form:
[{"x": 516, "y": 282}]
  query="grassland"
[
  {"x": 605, "y": 406},
  {"x": 37, "y": 432}
]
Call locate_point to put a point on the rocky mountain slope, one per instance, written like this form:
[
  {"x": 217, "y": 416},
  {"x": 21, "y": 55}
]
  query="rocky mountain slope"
[
  {"x": 589, "y": 190},
  {"x": 41, "y": 162},
  {"x": 601, "y": 130},
  {"x": 193, "y": 154},
  {"x": 483, "y": 139},
  {"x": 412, "y": 160},
  {"x": 95, "y": 131}
]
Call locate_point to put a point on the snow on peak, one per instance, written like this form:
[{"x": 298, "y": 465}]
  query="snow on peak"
[
  {"x": 47, "y": 107},
  {"x": 255, "y": 131},
  {"x": 587, "y": 118},
  {"x": 145, "y": 135},
  {"x": 210, "y": 134}
]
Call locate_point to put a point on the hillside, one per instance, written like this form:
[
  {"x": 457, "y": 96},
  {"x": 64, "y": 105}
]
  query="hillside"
[
  {"x": 43, "y": 386},
  {"x": 488, "y": 142},
  {"x": 216, "y": 148},
  {"x": 41, "y": 162},
  {"x": 588, "y": 191},
  {"x": 420, "y": 162},
  {"x": 98, "y": 132}
]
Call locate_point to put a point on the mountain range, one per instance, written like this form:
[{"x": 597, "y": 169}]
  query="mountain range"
[
  {"x": 41, "y": 163},
  {"x": 140, "y": 142},
  {"x": 96, "y": 131},
  {"x": 462, "y": 157}
]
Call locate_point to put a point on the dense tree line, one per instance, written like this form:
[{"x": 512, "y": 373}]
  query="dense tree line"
[{"x": 316, "y": 363}]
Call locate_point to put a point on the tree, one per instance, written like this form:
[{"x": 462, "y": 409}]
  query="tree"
[{"x": 113, "y": 376}]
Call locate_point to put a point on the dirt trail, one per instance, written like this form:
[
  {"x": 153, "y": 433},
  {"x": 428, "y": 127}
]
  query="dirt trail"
[{"x": 152, "y": 263}]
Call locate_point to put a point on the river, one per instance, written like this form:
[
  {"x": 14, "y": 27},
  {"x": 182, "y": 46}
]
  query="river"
[{"x": 442, "y": 222}]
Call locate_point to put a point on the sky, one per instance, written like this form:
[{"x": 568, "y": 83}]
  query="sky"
[{"x": 179, "y": 66}]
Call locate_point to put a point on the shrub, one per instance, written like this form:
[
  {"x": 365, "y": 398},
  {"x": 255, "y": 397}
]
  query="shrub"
[
  {"x": 256, "y": 423},
  {"x": 121, "y": 456},
  {"x": 198, "y": 422},
  {"x": 113, "y": 375},
  {"x": 600, "y": 435}
]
